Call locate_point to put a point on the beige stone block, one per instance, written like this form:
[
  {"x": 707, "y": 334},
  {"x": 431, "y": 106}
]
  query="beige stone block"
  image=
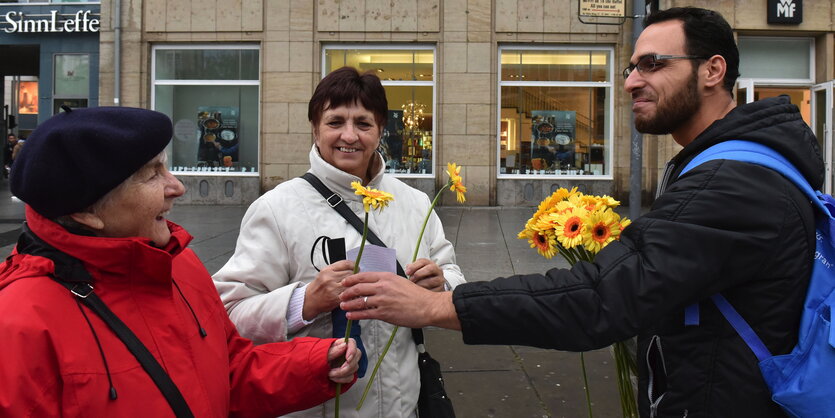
[
  {"x": 301, "y": 35},
  {"x": 154, "y": 15},
  {"x": 352, "y": 15},
  {"x": 479, "y": 36},
  {"x": 376, "y": 36},
  {"x": 299, "y": 124},
  {"x": 178, "y": 16},
  {"x": 404, "y": 16},
  {"x": 229, "y": 18},
  {"x": 404, "y": 36},
  {"x": 131, "y": 56},
  {"x": 467, "y": 149},
  {"x": 466, "y": 88},
  {"x": 277, "y": 15},
  {"x": 296, "y": 170},
  {"x": 327, "y": 16},
  {"x": 530, "y": 16},
  {"x": 506, "y": 15},
  {"x": 479, "y": 16},
  {"x": 477, "y": 179},
  {"x": 454, "y": 57},
  {"x": 479, "y": 58},
  {"x": 287, "y": 87},
  {"x": 106, "y": 57},
  {"x": 203, "y": 16},
  {"x": 302, "y": 56},
  {"x": 454, "y": 36},
  {"x": 453, "y": 119},
  {"x": 276, "y": 118},
  {"x": 429, "y": 16},
  {"x": 378, "y": 15},
  {"x": 556, "y": 17},
  {"x": 301, "y": 16},
  {"x": 252, "y": 15},
  {"x": 479, "y": 120},
  {"x": 455, "y": 15},
  {"x": 276, "y": 56},
  {"x": 287, "y": 148},
  {"x": 131, "y": 91},
  {"x": 272, "y": 175}
]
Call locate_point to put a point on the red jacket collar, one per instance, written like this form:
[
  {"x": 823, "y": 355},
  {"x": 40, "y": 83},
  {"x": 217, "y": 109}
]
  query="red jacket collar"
[{"x": 122, "y": 257}]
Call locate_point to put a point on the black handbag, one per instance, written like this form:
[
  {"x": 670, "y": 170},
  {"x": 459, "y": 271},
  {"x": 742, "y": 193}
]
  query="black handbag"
[{"x": 433, "y": 401}]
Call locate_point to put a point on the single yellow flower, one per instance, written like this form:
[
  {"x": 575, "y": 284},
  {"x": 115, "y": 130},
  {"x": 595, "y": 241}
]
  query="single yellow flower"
[
  {"x": 455, "y": 181},
  {"x": 545, "y": 243},
  {"x": 604, "y": 227},
  {"x": 377, "y": 199},
  {"x": 570, "y": 227}
]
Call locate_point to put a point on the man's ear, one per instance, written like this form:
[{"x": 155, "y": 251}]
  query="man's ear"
[
  {"x": 715, "y": 68},
  {"x": 88, "y": 219}
]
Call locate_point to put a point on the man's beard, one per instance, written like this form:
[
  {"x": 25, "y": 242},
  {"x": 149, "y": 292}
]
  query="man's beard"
[{"x": 677, "y": 110}]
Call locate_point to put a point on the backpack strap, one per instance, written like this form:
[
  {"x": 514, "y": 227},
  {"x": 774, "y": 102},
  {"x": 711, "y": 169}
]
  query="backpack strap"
[
  {"x": 750, "y": 152},
  {"x": 70, "y": 273}
]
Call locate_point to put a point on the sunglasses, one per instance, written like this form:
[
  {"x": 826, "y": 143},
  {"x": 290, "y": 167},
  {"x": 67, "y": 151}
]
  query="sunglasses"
[{"x": 654, "y": 62}]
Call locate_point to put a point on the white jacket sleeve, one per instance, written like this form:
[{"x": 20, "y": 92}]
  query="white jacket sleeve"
[
  {"x": 254, "y": 285},
  {"x": 442, "y": 252}
]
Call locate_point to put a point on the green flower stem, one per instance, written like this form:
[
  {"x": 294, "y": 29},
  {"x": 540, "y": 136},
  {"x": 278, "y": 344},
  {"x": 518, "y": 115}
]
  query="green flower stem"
[
  {"x": 586, "y": 383},
  {"x": 394, "y": 331},
  {"x": 350, "y": 322}
]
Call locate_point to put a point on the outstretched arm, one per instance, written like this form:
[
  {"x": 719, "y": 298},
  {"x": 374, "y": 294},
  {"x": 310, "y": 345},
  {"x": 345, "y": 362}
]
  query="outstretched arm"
[{"x": 388, "y": 297}]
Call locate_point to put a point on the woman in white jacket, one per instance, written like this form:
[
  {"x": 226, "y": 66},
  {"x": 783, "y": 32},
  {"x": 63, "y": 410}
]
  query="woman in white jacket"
[{"x": 277, "y": 285}]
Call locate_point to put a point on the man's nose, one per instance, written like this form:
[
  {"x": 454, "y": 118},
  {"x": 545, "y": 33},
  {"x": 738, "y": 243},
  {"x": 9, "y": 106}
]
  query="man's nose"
[{"x": 633, "y": 81}]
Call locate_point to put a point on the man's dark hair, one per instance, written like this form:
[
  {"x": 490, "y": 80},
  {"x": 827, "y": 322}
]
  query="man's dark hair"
[
  {"x": 706, "y": 33},
  {"x": 346, "y": 86}
]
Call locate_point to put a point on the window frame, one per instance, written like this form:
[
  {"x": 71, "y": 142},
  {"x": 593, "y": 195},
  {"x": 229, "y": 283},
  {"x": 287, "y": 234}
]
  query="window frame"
[
  {"x": 608, "y": 85},
  {"x": 174, "y": 82},
  {"x": 412, "y": 83},
  {"x": 796, "y": 82}
]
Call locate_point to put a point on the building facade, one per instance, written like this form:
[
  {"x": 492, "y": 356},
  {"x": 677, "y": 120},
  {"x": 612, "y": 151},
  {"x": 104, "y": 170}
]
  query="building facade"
[{"x": 526, "y": 95}]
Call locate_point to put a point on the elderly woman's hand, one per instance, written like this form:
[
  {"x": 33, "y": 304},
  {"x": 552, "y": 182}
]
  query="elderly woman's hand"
[
  {"x": 322, "y": 294},
  {"x": 426, "y": 274},
  {"x": 343, "y": 359}
]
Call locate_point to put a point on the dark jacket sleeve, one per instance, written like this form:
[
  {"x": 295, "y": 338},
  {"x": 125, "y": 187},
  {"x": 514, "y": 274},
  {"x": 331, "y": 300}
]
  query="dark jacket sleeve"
[{"x": 724, "y": 224}]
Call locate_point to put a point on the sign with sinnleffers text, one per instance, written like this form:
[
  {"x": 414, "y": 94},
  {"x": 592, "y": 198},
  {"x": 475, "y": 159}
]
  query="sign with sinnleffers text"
[
  {"x": 80, "y": 21},
  {"x": 602, "y": 8}
]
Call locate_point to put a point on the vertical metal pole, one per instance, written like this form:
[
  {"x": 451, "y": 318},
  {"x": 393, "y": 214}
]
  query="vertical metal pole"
[
  {"x": 637, "y": 142},
  {"x": 117, "y": 51}
]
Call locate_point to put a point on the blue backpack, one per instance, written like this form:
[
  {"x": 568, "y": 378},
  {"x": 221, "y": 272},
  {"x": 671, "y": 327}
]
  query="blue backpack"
[{"x": 803, "y": 381}]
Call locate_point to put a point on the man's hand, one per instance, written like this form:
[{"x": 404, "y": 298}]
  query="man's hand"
[
  {"x": 426, "y": 274},
  {"x": 391, "y": 298},
  {"x": 344, "y": 359},
  {"x": 322, "y": 294}
]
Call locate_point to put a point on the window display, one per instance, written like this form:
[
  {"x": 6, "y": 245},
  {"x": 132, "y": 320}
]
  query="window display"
[
  {"x": 555, "y": 114},
  {"x": 211, "y": 96},
  {"x": 407, "y": 76}
]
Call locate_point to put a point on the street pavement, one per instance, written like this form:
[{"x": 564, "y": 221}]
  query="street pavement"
[{"x": 482, "y": 381}]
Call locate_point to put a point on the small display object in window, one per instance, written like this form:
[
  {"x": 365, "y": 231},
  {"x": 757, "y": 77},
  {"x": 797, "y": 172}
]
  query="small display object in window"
[
  {"x": 218, "y": 136},
  {"x": 553, "y": 140}
]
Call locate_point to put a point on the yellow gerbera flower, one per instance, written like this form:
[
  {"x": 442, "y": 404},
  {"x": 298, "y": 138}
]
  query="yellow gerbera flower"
[
  {"x": 604, "y": 227},
  {"x": 571, "y": 226},
  {"x": 455, "y": 182},
  {"x": 545, "y": 243},
  {"x": 377, "y": 199}
]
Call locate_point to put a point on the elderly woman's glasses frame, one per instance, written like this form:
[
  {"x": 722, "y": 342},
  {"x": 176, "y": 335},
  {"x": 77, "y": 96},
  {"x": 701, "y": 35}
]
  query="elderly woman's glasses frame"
[{"x": 654, "y": 62}]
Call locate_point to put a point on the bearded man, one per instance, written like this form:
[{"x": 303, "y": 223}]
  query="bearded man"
[{"x": 724, "y": 226}]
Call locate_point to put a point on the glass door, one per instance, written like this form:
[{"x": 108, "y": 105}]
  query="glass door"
[
  {"x": 822, "y": 118},
  {"x": 744, "y": 91}
]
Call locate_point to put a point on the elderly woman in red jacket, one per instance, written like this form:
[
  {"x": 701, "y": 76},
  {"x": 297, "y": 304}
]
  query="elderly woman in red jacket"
[{"x": 97, "y": 192}]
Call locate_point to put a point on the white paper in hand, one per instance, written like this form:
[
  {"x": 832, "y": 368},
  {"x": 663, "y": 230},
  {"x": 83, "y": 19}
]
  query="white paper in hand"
[{"x": 375, "y": 258}]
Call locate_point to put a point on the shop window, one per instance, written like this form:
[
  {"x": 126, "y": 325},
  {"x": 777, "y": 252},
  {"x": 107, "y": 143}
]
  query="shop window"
[
  {"x": 555, "y": 112},
  {"x": 408, "y": 78},
  {"x": 71, "y": 83},
  {"x": 211, "y": 94}
]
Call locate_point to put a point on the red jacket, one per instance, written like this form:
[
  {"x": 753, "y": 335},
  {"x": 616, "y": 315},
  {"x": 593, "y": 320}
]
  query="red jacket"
[{"x": 52, "y": 366}]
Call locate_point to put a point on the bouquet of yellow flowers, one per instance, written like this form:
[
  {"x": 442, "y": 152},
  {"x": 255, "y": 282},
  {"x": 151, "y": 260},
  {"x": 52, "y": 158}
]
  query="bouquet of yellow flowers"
[{"x": 578, "y": 226}]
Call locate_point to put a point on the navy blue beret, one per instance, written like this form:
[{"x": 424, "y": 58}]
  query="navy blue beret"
[{"x": 75, "y": 157}]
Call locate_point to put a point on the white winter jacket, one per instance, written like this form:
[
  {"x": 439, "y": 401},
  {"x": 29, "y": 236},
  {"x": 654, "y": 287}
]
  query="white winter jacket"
[{"x": 273, "y": 257}]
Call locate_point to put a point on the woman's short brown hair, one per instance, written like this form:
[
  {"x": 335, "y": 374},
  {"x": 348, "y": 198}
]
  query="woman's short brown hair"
[{"x": 346, "y": 86}]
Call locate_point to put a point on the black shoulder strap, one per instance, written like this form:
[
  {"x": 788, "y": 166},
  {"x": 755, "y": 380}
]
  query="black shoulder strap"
[
  {"x": 70, "y": 273},
  {"x": 335, "y": 201}
]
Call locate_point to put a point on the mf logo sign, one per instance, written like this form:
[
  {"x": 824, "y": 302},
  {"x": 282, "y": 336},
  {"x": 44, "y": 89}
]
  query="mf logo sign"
[{"x": 785, "y": 11}]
